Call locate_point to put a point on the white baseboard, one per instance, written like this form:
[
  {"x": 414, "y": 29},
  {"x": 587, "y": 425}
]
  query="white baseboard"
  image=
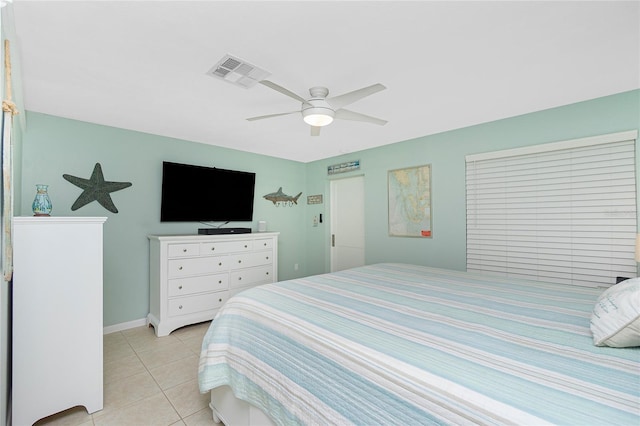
[{"x": 124, "y": 326}]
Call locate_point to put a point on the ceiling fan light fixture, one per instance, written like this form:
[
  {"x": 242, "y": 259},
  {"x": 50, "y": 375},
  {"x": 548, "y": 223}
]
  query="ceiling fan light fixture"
[
  {"x": 319, "y": 111},
  {"x": 317, "y": 116}
]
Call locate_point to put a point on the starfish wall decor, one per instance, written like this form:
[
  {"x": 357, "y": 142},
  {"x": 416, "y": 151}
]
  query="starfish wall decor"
[{"x": 96, "y": 189}]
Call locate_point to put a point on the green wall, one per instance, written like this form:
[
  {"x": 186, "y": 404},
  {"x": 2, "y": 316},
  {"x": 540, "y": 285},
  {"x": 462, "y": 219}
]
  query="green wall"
[
  {"x": 53, "y": 146},
  {"x": 445, "y": 152}
]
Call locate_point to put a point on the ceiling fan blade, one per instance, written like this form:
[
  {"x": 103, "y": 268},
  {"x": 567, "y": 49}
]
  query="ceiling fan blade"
[
  {"x": 315, "y": 130},
  {"x": 282, "y": 90},
  {"x": 339, "y": 101},
  {"x": 261, "y": 117},
  {"x": 345, "y": 114}
]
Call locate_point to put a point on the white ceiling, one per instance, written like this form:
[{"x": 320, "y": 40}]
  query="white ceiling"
[{"x": 141, "y": 65}]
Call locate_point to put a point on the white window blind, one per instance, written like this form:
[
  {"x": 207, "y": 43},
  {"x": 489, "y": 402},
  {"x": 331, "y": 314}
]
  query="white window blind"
[{"x": 561, "y": 212}]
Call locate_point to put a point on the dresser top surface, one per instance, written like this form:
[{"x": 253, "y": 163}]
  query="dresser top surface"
[{"x": 203, "y": 237}]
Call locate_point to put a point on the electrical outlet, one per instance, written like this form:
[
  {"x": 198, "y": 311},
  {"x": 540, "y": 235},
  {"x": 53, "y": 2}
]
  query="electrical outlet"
[
  {"x": 315, "y": 221},
  {"x": 295, "y": 267}
]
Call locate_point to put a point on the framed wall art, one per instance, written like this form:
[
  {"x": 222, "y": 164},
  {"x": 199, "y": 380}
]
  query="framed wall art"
[{"x": 410, "y": 202}]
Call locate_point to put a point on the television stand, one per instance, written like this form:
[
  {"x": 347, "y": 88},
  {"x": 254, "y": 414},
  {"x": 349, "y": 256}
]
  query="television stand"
[
  {"x": 218, "y": 231},
  {"x": 191, "y": 276}
]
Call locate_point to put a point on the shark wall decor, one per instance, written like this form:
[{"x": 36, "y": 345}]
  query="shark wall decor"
[
  {"x": 279, "y": 198},
  {"x": 96, "y": 189}
]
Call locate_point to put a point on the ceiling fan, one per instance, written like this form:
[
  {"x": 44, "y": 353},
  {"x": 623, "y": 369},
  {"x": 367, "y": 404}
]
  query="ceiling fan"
[{"x": 318, "y": 110}]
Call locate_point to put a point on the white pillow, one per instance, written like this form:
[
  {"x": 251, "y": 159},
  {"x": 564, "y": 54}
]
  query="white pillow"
[{"x": 615, "y": 320}]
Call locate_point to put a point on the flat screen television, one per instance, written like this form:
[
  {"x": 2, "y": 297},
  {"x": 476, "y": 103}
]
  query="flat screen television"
[{"x": 206, "y": 194}]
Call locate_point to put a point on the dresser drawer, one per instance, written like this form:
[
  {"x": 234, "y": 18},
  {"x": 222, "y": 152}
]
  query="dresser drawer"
[
  {"x": 196, "y": 266},
  {"x": 236, "y": 290},
  {"x": 264, "y": 244},
  {"x": 183, "y": 250},
  {"x": 248, "y": 260},
  {"x": 192, "y": 304},
  {"x": 199, "y": 284},
  {"x": 225, "y": 247},
  {"x": 251, "y": 276}
]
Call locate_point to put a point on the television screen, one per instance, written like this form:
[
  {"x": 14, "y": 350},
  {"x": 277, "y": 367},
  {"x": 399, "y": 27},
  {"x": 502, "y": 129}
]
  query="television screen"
[{"x": 205, "y": 194}]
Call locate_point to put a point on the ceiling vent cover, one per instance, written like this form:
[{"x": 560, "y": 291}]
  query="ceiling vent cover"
[{"x": 238, "y": 71}]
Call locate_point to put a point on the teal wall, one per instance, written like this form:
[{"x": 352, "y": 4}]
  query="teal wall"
[
  {"x": 53, "y": 146},
  {"x": 445, "y": 152}
]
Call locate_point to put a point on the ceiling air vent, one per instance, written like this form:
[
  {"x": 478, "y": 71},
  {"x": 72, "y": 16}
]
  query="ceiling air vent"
[{"x": 238, "y": 71}]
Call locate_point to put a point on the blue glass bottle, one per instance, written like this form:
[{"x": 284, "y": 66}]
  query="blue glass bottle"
[{"x": 42, "y": 203}]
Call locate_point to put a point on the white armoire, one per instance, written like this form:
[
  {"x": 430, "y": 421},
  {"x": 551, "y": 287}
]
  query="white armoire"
[{"x": 57, "y": 316}]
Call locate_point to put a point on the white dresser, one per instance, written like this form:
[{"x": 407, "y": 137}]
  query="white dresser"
[
  {"x": 57, "y": 316},
  {"x": 191, "y": 276}
]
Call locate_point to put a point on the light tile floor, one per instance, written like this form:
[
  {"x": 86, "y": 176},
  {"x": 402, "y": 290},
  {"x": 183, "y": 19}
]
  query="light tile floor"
[{"x": 147, "y": 381}]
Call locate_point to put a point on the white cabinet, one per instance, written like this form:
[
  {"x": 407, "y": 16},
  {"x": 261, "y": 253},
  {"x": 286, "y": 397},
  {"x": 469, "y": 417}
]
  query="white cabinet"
[
  {"x": 57, "y": 316},
  {"x": 191, "y": 276}
]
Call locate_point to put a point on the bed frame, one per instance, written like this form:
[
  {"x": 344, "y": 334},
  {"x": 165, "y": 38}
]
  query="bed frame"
[{"x": 232, "y": 411}]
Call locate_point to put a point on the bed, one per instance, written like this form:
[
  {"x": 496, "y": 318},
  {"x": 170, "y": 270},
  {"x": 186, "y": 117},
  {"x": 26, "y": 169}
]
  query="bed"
[{"x": 405, "y": 344}]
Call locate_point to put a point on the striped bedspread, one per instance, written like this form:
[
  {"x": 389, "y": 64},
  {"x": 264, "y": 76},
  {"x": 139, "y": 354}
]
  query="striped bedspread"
[{"x": 395, "y": 344}]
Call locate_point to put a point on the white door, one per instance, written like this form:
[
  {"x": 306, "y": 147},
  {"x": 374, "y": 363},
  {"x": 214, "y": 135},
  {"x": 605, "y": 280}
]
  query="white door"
[{"x": 347, "y": 223}]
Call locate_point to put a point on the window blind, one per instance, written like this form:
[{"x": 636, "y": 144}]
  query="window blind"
[{"x": 561, "y": 212}]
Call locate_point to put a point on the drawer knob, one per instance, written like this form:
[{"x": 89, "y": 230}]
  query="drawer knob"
[
  {"x": 239, "y": 261},
  {"x": 267, "y": 273},
  {"x": 180, "y": 307},
  {"x": 220, "y": 264},
  {"x": 219, "y": 281},
  {"x": 184, "y": 250},
  {"x": 267, "y": 257},
  {"x": 245, "y": 246},
  {"x": 180, "y": 268},
  {"x": 239, "y": 278},
  {"x": 219, "y": 300},
  {"x": 213, "y": 248},
  {"x": 265, "y": 244},
  {"x": 179, "y": 287}
]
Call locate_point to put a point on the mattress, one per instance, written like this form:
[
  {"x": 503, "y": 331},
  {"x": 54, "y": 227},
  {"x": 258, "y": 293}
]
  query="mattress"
[{"x": 406, "y": 344}]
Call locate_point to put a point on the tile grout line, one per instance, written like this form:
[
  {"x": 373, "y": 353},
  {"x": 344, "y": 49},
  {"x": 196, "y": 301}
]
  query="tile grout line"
[
  {"x": 186, "y": 341},
  {"x": 182, "y": 342},
  {"x": 154, "y": 379},
  {"x": 146, "y": 368}
]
